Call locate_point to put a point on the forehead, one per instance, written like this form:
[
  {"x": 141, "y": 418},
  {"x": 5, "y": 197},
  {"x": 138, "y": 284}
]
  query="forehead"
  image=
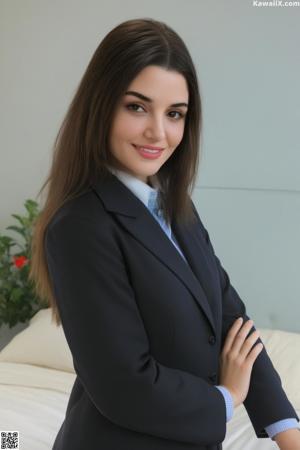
[{"x": 157, "y": 82}]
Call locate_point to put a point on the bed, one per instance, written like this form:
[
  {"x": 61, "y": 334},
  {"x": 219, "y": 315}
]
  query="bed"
[{"x": 37, "y": 374}]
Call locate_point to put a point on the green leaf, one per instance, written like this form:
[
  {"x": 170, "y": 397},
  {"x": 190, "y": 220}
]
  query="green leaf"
[
  {"x": 17, "y": 229},
  {"x": 19, "y": 218},
  {"x": 16, "y": 294},
  {"x": 6, "y": 240},
  {"x": 32, "y": 207}
]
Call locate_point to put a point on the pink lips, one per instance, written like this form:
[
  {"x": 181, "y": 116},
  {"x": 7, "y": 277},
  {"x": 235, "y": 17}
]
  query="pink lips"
[
  {"x": 151, "y": 147},
  {"x": 147, "y": 155}
]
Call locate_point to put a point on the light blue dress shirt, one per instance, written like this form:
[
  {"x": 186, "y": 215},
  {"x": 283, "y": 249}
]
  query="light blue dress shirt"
[{"x": 148, "y": 195}]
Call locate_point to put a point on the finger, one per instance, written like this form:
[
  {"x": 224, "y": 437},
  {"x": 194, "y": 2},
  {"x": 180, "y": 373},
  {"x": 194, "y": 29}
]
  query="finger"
[
  {"x": 231, "y": 334},
  {"x": 241, "y": 336},
  {"x": 248, "y": 344},
  {"x": 254, "y": 353}
]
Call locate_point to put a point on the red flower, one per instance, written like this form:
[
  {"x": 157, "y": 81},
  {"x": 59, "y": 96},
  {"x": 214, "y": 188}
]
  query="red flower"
[{"x": 19, "y": 261}]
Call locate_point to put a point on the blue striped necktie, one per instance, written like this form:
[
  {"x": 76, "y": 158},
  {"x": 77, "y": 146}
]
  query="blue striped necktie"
[{"x": 158, "y": 215}]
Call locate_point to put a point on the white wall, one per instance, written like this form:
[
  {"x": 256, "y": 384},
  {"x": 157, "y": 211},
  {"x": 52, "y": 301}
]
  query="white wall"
[{"x": 248, "y": 64}]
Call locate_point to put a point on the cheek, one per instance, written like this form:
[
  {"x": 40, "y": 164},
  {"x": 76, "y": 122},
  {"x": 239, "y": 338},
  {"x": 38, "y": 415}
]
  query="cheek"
[
  {"x": 176, "y": 134},
  {"x": 127, "y": 128}
]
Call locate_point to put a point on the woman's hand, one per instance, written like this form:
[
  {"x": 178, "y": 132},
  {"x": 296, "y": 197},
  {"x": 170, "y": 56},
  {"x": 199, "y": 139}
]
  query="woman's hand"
[
  {"x": 237, "y": 360},
  {"x": 288, "y": 440}
]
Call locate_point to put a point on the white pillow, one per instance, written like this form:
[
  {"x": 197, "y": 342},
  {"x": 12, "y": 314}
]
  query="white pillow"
[
  {"x": 283, "y": 347},
  {"x": 42, "y": 343}
]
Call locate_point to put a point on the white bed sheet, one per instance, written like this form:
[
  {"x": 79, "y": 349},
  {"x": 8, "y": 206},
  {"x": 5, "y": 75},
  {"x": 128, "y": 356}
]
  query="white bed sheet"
[{"x": 34, "y": 401}]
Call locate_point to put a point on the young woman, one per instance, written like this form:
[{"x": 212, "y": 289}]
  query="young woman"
[{"x": 162, "y": 346}]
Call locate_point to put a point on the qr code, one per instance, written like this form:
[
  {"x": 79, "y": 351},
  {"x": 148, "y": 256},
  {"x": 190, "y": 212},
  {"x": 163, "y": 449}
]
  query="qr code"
[{"x": 9, "y": 439}]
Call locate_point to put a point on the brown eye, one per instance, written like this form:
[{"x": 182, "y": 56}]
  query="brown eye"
[
  {"x": 134, "y": 107},
  {"x": 131, "y": 106},
  {"x": 178, "y": 117}
]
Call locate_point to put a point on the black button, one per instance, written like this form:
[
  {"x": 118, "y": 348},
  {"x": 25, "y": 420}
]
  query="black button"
[
  {"x": 212, "y": 340},
  {"x": 213, "y": 377}
]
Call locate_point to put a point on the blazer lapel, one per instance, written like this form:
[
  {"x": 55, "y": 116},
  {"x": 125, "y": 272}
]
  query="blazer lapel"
[{"x": 137, "y": 219}]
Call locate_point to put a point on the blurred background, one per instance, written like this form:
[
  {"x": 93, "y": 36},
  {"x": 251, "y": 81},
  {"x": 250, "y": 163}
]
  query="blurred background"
[{"x": 247, "y": 60}]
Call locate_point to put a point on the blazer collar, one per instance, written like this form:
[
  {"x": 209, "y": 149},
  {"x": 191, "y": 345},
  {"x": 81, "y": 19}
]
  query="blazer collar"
[{"x": 137, "y": 219}]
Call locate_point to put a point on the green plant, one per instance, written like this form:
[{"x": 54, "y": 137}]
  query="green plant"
[{"x": 18, "y": 299}]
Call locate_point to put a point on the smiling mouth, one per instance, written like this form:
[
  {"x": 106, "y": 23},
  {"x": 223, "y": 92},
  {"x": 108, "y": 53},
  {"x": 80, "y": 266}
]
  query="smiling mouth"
[
  {"x": 149, "y": 147},
  {"x": 148, "y": 153}
]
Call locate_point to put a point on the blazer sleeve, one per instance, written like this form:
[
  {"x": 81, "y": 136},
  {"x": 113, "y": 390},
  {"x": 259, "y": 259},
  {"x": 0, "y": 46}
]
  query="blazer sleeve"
[
  {"x": 265, "y": 381},
  {"x": 109, "y": 343}
]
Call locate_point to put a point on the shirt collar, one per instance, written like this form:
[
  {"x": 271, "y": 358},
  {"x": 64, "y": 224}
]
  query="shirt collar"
[{"x": 142, "y": 190}]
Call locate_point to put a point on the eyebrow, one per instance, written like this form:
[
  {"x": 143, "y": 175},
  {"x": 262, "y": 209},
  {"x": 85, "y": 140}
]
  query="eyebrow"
[{"x": 147, "y": 99}]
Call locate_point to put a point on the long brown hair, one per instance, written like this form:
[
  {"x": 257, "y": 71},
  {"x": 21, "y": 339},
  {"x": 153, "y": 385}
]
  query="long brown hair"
[{"x": 80, "y": 151}]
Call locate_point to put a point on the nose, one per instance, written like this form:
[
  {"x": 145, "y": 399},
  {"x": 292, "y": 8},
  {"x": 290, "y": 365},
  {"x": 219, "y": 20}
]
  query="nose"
[{"x": 155, "y": 129}]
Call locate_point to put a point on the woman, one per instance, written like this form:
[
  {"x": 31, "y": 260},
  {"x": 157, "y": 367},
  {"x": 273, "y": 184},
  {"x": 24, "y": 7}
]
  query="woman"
[{"x": 129, "y": 270}]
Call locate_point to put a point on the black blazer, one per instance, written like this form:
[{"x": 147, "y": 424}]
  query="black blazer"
[{"x": 145, "y": 329}]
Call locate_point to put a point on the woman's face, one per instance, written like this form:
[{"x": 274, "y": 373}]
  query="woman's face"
[{"x": 147, "y": 118}]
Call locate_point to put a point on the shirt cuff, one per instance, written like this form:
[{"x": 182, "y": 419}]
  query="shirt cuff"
[
  {"x": 281, "y": 425},
  {"x": 228, "y": 401}
]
